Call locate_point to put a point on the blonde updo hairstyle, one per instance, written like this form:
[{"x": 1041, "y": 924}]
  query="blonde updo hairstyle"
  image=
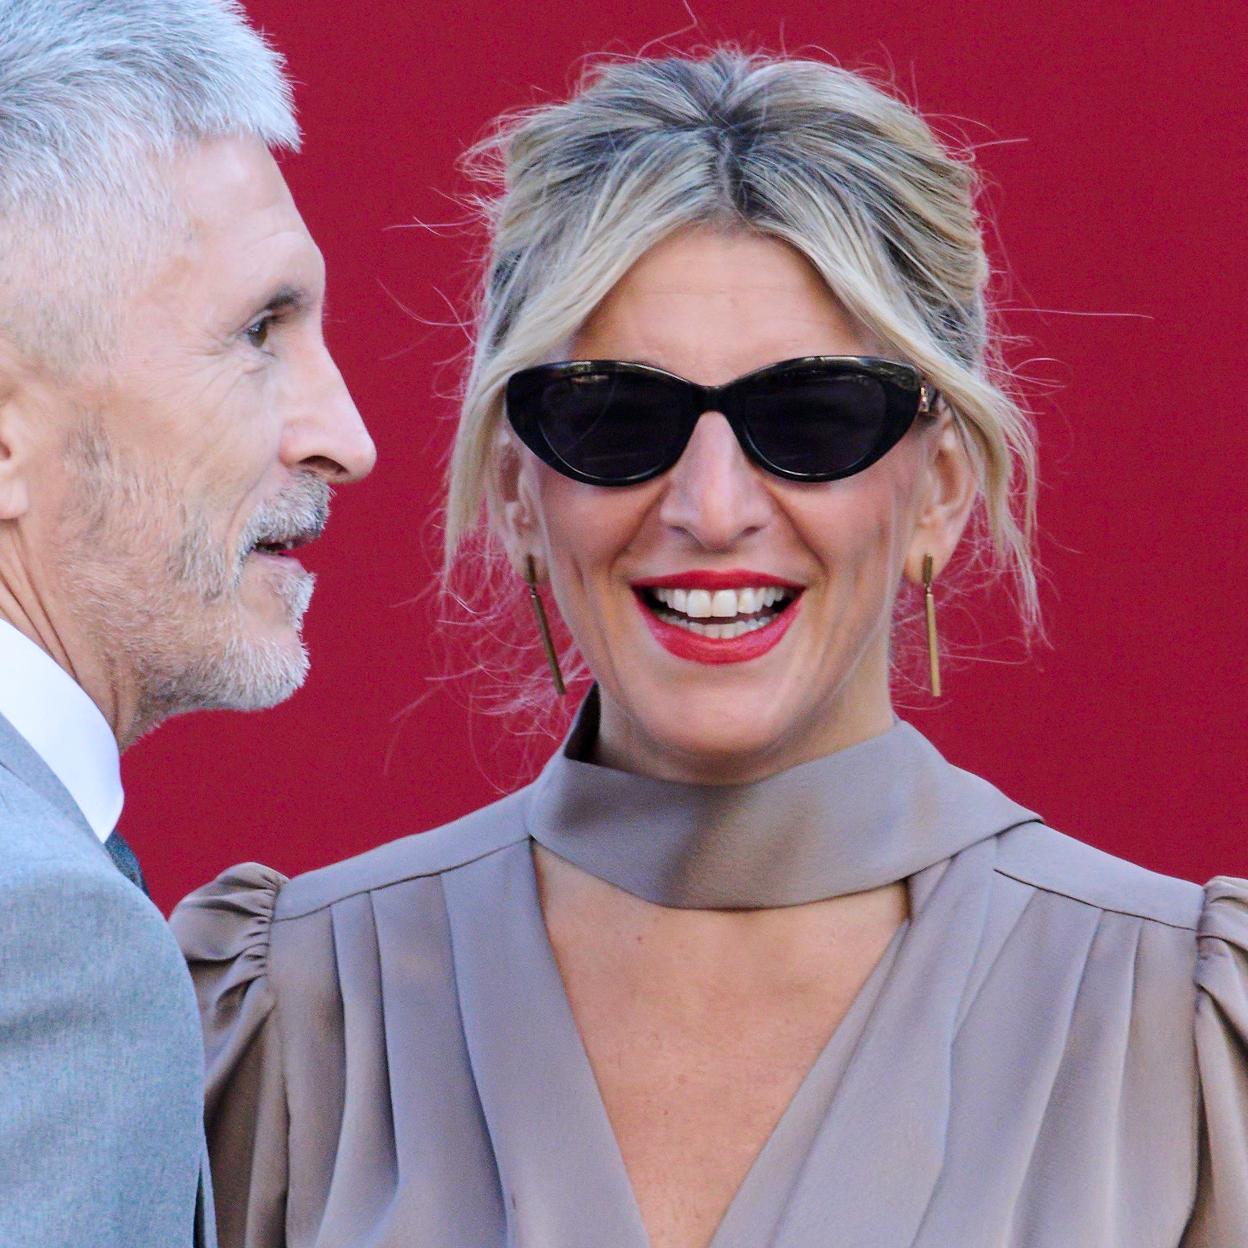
[{"x": 799, "y": 150}]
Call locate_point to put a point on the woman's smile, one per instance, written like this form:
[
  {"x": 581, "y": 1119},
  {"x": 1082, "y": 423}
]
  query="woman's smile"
[
  {"x": 705, "y": 616},
  {"x": 722, "y": 608}
]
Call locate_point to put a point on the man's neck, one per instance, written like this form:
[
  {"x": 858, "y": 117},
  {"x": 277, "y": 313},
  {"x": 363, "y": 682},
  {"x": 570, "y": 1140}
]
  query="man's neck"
[{"x": 24, "y": 612}]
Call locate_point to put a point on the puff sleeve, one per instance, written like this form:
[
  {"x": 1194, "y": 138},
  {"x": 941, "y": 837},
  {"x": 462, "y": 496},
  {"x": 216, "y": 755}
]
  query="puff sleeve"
[
  {"x": 224, "y": 931},
  {"x": 1220, "y": 1217}
]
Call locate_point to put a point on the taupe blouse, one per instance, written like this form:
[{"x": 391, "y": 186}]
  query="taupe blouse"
[{"x": 1053, "y": 1051}]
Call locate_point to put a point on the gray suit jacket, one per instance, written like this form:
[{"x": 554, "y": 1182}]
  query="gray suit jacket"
[{"x": 101, "y": 1141}]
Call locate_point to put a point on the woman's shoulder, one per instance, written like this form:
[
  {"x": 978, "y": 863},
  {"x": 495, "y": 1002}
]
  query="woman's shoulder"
[
  {"x": 1222, "y": 968},
  {"x": 441, "y": 849},
  {"x": 232, "y": 918},
  {"x": 1161, "y": 966},
  {"x": 254, "y": 939},
  {"x": 1205, "y": 928},
  {"x": 1043, "y": 858}
]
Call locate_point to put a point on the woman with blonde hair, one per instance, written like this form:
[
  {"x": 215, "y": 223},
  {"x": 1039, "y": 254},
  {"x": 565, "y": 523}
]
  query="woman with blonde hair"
[{"x": 750, "y": 963}]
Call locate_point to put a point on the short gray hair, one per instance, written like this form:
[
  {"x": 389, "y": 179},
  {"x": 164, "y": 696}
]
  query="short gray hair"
[
  {"x": 806, "y": 152},
  {"x": 94, "y": 94}
]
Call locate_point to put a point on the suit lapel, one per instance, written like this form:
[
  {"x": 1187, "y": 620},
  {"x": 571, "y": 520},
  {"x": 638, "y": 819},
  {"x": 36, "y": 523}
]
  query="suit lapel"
[{"x": 21, "y": 761}]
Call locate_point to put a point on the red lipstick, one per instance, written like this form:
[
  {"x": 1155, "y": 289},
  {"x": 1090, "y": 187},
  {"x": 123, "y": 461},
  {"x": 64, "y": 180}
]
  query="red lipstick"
[
  {"x": 696, "y": 648},
  {"x": 729, "y": 578}
]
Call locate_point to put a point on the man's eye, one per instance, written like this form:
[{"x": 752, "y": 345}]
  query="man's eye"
[{"x": 257, "y": 333}]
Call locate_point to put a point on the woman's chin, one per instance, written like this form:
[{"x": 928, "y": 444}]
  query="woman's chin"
[{"x": 703, "y": 741}]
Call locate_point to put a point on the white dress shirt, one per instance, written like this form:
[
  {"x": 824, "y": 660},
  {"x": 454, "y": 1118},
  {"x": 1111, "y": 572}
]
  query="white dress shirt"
[{"x": 63, "y": 726}]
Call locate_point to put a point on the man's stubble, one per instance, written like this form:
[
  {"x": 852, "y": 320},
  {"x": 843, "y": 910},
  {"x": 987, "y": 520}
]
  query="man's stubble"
[{"x": 157, "y": 594}]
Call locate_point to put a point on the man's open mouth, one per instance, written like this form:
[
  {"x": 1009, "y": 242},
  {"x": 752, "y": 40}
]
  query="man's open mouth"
[{"x": 281, "y": 544}]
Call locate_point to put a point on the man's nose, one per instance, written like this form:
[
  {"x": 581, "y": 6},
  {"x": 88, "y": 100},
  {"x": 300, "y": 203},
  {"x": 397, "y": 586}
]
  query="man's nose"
[
  {"x": 714, "y": 494},
  {"x": 324, "y": 430}
]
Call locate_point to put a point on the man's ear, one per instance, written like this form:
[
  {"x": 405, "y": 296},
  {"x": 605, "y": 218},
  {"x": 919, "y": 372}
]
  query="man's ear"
[
  {"x": 949, "y": 492},
  {"x": 17, "y": 434},
  {"x": 511, "y": 501}
]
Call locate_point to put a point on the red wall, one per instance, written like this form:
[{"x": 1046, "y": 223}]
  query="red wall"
[{"x": 1113, "y": 137}]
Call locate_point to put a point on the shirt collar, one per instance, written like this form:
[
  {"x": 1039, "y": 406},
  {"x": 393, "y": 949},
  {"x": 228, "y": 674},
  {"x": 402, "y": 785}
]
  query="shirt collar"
[{"x": 63, "y": 726}]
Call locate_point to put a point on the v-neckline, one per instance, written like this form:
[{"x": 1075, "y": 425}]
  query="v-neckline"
[
  {"x": 757, "y": 1207},
  {"x": 553, "y": 1062},
  {"x": 889, "y": 809}
]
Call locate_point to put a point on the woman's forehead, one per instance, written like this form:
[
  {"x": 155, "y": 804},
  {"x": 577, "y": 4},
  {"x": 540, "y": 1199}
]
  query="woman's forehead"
[{"x": 717, "y": 302}]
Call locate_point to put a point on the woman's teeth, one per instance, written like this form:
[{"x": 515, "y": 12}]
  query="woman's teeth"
[
  {"x": 702, "y": 604},
  {"x": 689, "y": 608}
]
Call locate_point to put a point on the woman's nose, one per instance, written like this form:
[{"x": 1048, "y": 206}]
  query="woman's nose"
[{"x": 714, "y": 494}]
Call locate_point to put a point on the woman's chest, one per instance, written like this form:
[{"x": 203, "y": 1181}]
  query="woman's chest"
[
  {"x": 697, "y": 1055},
  {"x": 693, "y": 1093}
]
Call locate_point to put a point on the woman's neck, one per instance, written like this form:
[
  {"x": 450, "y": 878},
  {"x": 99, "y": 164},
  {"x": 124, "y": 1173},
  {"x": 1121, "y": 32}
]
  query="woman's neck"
[{"x": 624, "y": 743}]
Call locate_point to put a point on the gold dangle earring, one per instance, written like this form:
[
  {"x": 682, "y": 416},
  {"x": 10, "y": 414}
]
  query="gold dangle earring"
[
  {"x": 543, "y": 624},
  {"x": 933, "y": 651}
]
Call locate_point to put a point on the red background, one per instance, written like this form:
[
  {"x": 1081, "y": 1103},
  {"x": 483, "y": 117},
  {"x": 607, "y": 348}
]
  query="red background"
[{"x": 1114, "y": 143}]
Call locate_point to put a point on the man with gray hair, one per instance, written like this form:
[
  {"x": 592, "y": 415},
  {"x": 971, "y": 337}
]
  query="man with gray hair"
[{"x": 170, "y": 427}]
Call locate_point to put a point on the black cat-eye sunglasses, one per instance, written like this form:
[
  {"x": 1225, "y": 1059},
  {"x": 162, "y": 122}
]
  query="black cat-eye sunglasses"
[{"x": 818, "y": 418}]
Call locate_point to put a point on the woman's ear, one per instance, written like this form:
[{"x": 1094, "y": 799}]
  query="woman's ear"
[
  {"x": 512, "y": 502},
  {"x": 948, "y": 493}
]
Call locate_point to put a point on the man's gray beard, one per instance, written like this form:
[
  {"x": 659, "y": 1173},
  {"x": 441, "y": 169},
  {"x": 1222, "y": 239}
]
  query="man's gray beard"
[{"x": 173, "y": 627}]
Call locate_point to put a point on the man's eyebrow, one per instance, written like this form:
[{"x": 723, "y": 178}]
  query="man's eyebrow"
[{"x": 287, "y": 298}]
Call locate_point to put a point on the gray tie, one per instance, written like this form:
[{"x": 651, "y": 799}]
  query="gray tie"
[{"x": 123, "y": 856}]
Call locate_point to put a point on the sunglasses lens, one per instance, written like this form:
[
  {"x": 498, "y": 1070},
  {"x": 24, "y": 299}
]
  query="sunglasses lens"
[
  {"x": 612, "y": 423},
  {"x": 614, "y": 427},
  {"x": 816, "y": 426}
]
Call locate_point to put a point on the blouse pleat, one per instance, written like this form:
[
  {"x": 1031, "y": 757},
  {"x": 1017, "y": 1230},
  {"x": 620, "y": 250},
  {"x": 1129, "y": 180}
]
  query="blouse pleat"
[
  {"x": 440, "y": 1138},
  {"x": 365, "y": 1155}
]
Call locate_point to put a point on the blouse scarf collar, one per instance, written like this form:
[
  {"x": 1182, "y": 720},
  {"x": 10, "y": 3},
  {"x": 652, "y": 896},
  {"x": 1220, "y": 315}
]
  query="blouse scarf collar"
[{"x": 866, "y": 816}]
